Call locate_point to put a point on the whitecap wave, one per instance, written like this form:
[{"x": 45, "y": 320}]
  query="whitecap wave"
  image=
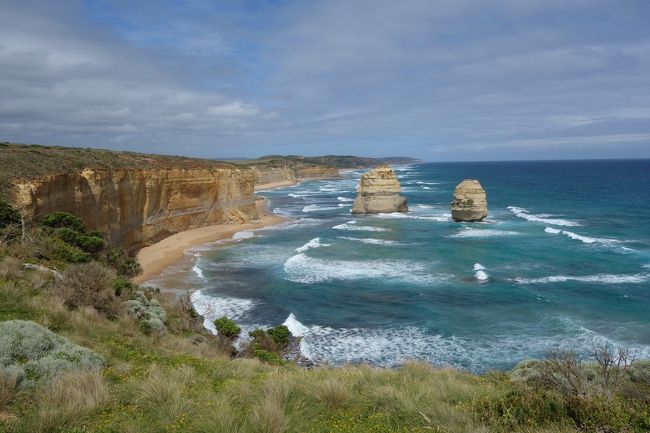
[
  {"x": 481, "y": 276},
  {"x": 213, "y": 307},
  {"x": 525, "y": 214},
  {"x": 353, "y": 345},
  {"x": 296, "y": 195},
  {"x": 304, "y": 269},
  {"x": 314, "y": 243},
  {"x": 246, "y": 234},
  {"x": 198, "y": 271},
  {"x": 317, "y": 208},
  {"x": 403, "y": 215},
  {"x": 598, "y": 279},
  {"x": 370, "y": 241},
  {"x": 471, "y": 232},
  {"x": 552, "y": 231},
  {"x": 352, "y": 226},
  {"x": 589, "y": 240},
  {"x": 294, "y": 326},
  {"x": 345, "y": 199}
]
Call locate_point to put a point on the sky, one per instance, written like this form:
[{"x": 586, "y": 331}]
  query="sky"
[{"x": 441, "y": 80}]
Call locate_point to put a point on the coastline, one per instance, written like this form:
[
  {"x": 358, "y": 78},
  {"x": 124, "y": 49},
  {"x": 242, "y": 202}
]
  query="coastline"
[{"x": 155, "y": 258}]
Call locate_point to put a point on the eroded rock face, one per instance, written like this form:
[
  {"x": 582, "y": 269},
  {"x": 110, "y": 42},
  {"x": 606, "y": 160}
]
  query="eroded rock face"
[
  {"x": 470, "y": 202},
  {"x": 137, "y": 207},
  {"x": 379, "y": 192}
]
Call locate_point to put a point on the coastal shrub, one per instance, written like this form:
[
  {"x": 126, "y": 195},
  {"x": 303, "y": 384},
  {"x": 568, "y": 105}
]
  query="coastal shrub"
[
  {"x": 227, "y": 327},
  {"x": 151, "y": 317},
  {"x": 125, "y": 265},
  {"x": 280, "y": 335},
  {"x": 35, "y": 354},
  {"x": 55, "y": 249},
  {"x": 90, "y": 244},
  {"x": 64, "y": 220},
  {"x": 270, "y": 357},
  {"x": 122, "y": 285},
  {"x": 8, "y": 215},
  {"x": 89, "y": 284}
]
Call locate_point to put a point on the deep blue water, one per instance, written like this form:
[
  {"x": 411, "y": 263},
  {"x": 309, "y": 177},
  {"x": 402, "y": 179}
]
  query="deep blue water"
[{"x": 565, "y": 249}]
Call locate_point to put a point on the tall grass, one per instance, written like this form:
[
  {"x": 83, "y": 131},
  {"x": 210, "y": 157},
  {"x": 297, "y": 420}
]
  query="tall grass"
[{"x": 67, "y": 401}]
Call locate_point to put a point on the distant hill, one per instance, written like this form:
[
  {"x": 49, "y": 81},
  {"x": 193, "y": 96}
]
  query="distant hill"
[{"x": 341, "y": 161}]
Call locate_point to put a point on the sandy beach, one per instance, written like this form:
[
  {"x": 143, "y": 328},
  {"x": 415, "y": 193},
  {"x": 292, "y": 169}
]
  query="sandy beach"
[
  {"x": 274, "y": 185},
  {"x": 158, "y": 256}
]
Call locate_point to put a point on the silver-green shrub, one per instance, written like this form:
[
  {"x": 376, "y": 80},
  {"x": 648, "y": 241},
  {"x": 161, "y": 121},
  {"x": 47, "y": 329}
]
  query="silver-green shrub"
[
  {"x": 147, "y": 312},
  {"x": 35, "y": 354}
]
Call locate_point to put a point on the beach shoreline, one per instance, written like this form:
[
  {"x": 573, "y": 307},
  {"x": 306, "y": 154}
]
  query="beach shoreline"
[{"x": 157, "y": 257}]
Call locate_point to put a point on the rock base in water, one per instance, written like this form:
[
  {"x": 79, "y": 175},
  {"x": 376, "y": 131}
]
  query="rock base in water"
[
  {"x": 470, "y": 202},
  {"x": 379, "y": 192}
]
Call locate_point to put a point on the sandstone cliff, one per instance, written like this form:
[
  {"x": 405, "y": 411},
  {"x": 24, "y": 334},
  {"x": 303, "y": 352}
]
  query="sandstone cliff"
[
  {"x": 379, "y": 192},
  {"x": 470, "y": 202},
  {"x": 266, "y": 174},
  {"x": 137, "y": 207}
]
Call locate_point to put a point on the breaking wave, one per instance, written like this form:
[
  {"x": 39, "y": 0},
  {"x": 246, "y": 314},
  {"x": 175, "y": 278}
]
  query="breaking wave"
[
  {"x": 598, "y": 279},
  {"x": 471, "y": 232},
  {"x": 543, "y": 218},
  {"x": 304, "y": 269},
  {"x": 314, "y": 243},
  {"x": 352, "y": 226}
]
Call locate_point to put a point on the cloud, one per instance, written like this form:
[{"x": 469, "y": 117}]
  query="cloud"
[{"x": 369, "y": 77}]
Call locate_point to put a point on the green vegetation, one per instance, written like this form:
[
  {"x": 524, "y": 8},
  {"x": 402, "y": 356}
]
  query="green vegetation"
[
  {"x": 8, "y": 215},
  {"x": 75, "y": 357},
  {"x": 227, "y": 327}
]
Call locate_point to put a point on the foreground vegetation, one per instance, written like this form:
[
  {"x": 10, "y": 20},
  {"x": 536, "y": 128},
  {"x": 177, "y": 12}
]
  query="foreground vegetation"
[{"x": 96, "y": 353}]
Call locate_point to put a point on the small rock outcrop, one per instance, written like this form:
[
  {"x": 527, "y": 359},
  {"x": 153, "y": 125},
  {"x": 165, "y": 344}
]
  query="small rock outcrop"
[
  {"x": 379, "y": 192},
  {"x": 470, "y": 202}
]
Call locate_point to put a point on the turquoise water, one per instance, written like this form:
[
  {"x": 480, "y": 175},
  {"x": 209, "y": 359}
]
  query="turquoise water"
[{"x": 563, "y": 260}]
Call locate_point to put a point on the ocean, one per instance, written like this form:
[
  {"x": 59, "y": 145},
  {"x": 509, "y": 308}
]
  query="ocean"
[{"x": 562, "y": 261}]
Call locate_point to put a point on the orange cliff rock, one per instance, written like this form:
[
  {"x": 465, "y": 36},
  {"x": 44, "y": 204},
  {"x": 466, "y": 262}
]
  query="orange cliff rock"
[{"x": 137, "y": 207}]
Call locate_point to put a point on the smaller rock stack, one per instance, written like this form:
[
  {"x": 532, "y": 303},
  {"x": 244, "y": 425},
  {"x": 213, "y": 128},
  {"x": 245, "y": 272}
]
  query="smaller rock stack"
[
  {"x": 470, "y": 202},
  {"x": 379, "y": 192}
]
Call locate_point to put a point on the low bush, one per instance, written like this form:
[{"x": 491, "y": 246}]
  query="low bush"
[
  {"x": 125, "y": 265},
  {"x": 55, "y": 249},
  {"x": 147, "y": 312},
  {"x": 9, "y": 379},
  {"x": 34, "y": 354},
  {"x": 122, "y": 285},
  {"x": 280, "y": 335},
  {"x": 8, "y": 215},
  {"x": 270, "y": 357},
  {"x": 89, "y": 284},
  {"x": 64, "y": 220},
  {"x": 227, "y": 327}
]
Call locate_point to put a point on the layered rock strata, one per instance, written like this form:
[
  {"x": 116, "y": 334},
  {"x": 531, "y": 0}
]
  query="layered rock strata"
[
  {"x": 379, "y": 192},
  {"x": 137, "y": 207},
  {"x": 470, "y": 202}
]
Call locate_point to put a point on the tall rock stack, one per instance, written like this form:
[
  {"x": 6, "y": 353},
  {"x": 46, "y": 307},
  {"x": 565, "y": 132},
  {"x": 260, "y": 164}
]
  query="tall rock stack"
[
  {"x": 470, "y": 202},
  {"x": 379, "y": 192}
]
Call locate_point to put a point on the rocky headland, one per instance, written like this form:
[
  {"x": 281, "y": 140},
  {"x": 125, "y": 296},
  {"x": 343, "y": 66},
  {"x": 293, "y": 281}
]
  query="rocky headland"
[
  {"x": 379, "y": 192},
  {"x": 470, "y": 202}
]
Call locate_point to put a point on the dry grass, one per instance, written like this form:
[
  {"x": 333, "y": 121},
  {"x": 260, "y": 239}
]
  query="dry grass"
[
  {"x": 69, "y": 400},
  {"x": 8, "y": 388},
  {"x": 161, "y": 393},
  {"x": 10, "y": 268},
  {"x": 333, "y": 393}
]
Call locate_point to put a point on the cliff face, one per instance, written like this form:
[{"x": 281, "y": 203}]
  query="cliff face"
[
  {"x": 289, "y": 173},
  {"x": 137, "y": 207},
  {"x": 379, "y": 192}
]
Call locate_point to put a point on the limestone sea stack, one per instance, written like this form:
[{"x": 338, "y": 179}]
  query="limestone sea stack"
[
  {"x": 379, "y": 192},
  {"x": 470, "y": 202}
]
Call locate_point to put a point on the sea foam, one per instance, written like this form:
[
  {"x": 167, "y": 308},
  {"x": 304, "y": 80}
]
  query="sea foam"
[
  {"x": 314, "y": 243},
  {"x": 304, "y": 269},
  {"x": 525, "y": 214},
  {"x": 213, "y": 307},
  {"x": 352, "y": 226},
  {"x": 370, "y": 241},
  {"x": 471, "y": 232},
  {"x": 598, "y": 279}
]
